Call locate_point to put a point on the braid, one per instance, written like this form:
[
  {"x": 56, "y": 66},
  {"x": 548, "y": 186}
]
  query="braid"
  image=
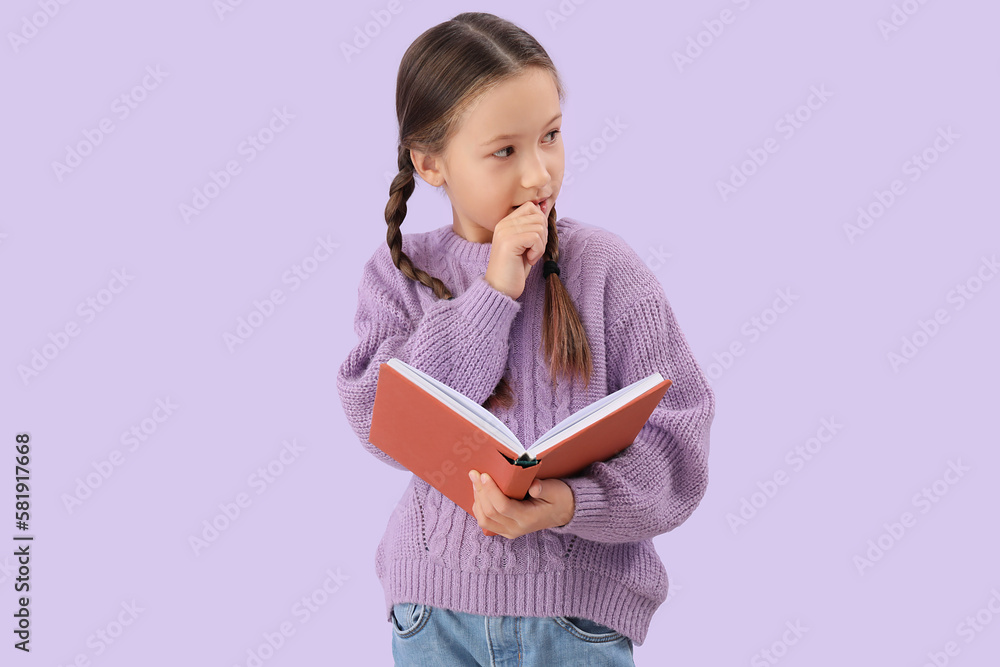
[
  {"x": 563, "y": 336},
  {"x": 395, "y": 210}
]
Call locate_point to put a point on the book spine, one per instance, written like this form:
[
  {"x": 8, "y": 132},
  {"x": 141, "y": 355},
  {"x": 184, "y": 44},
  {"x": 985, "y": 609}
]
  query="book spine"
[
  {"x": 525, "y": 460},
  {"x": 514, "y": 480}
]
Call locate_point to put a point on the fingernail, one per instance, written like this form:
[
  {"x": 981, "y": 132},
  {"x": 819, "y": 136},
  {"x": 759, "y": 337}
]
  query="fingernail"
[{"x": 483, "y": 477}]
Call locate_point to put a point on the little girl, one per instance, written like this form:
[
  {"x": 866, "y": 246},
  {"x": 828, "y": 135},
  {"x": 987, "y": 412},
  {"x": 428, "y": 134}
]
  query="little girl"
[{"x": 568, "y": 576}]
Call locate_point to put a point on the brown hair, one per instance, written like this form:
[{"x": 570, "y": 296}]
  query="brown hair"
[{"x": 442, "y": 72}]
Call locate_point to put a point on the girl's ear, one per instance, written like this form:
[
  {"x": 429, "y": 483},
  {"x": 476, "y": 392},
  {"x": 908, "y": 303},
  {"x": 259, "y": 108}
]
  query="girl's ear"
[{"x": 427, "y": 167}]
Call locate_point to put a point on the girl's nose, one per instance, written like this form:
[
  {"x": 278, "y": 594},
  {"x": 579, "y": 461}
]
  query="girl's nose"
[{"x": 535, "y": 173}]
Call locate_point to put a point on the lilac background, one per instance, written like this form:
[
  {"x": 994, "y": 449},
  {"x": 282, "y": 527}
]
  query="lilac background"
[{"x": 325, "y": 175}]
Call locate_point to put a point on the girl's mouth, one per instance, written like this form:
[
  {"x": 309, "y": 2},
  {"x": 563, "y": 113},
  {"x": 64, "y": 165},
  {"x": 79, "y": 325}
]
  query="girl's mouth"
[{"x": 541, "y": 203}]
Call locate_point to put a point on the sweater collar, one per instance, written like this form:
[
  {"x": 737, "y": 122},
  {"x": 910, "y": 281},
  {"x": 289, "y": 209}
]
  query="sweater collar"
[{"x": 469, "y": 253}]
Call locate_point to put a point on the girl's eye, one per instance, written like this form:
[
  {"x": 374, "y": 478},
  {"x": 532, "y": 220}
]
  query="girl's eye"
[{"x": 553, "y": 132}]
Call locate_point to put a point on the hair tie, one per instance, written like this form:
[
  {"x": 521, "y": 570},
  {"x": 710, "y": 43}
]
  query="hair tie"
[{"x": 549, "y": 267}]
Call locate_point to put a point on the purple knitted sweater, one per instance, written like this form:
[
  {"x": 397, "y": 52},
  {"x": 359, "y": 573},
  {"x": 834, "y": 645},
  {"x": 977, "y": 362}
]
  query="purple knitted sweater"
[{"x": 602, "y": 564}]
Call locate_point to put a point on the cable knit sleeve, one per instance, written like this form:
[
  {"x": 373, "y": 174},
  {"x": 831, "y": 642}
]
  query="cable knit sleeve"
[
  {"x": 461, "y": 342},
  {"x": 653, "y": 485}
]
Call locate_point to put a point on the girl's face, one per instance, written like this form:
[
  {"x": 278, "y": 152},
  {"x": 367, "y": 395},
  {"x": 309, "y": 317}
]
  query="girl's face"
[{"x": 487, "y": 174}]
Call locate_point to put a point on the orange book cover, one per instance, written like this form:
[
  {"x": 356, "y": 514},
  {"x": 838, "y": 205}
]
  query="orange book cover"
[{"x": 439, "y": 434}]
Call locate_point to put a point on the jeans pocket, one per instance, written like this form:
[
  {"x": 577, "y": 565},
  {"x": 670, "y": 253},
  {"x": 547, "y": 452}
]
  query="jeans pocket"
[
  {"x": 588, "y": 630},
  {"x": 408, "y": 618}
]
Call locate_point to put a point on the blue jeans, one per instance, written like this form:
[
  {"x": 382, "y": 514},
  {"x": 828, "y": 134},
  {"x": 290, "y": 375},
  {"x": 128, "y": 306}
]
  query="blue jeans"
[{"x": 426, "y": 636}]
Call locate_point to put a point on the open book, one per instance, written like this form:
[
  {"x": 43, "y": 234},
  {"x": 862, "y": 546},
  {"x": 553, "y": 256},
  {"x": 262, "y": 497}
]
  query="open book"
[{"x": 439, "y": 434}]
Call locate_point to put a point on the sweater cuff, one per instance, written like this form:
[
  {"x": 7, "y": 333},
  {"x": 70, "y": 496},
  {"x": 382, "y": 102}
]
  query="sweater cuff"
[
  {"x": 589, "y": 508},
  {"x": 486, "y": 308}
]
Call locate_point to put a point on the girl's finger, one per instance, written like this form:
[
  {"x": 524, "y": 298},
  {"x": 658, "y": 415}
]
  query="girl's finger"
[
  {"x": 494, "y": 499},
  {"x": 477, "y": 504}
]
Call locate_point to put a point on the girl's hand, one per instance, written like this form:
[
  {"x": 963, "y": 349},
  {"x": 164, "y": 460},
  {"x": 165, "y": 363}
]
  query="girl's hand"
[
  {"x": 551, "y": 504},
  {"x": 518, "y": 244}
]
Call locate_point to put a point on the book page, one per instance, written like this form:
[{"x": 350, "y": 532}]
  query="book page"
[
  {"x": 592, "y": 413},
  {"x": 462, "y": 404}
]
